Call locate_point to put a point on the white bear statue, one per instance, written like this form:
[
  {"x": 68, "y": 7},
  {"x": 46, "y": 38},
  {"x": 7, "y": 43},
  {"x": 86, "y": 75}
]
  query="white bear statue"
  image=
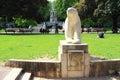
[{"x": 72, "y": 26}]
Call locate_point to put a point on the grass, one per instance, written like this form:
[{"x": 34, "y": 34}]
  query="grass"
[
  {"x": 37, "y": 46},
  {"x": 108, "y": 48}
]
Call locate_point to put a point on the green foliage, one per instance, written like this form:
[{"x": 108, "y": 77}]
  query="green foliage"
[
  {"x": 99, "y": 22},
  {"x": 2, "y": 30},
  {"x": 104, "y": 22},
  {"x": 24, "y": 22},
  {"x": 109, "y": 8},
  {"x": 61, "y": 7},
  {"x": 85, "y": 8},
  {"x": 37, "y": 46},
  {"x": 87, "y": 22},
  {"x": 27, "y": 8},
  {"x": 1, "y": 19},
  {"x": 45, "y": 11},
  {"x": 100, "y": 8}
]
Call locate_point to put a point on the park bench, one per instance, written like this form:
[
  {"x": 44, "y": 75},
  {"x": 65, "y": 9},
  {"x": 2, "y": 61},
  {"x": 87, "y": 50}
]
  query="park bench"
[
  {"x": 85, "y": 29},
  {"x": 93, "y": 30},
  {"x": 118, "y": 30},
  {"x": 25, "y": 30},
  {"x": 44, "y": 31},
  {"x": 98, "y": 30},
  {"x": 11, "y": 30}
]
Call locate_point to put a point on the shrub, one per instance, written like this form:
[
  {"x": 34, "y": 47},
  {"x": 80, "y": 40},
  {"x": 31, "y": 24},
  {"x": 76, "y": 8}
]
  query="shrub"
[{"x": 24, "y": 22}]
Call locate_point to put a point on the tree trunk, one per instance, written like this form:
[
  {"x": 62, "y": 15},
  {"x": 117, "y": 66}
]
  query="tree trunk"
[{"x": 114, "y": 26}]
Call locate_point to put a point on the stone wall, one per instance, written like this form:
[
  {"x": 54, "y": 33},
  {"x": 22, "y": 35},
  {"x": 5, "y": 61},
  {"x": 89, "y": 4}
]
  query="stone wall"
[
  {"x": 40, "y": 69},
  {"x": 53, "y": 69},
  {"x": 104, "y": 67}
]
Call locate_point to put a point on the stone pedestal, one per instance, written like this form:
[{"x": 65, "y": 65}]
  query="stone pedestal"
[{"x": 75, "y": 60}]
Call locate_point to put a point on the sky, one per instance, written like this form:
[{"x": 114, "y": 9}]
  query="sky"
[{"x": 51, "y": 0}]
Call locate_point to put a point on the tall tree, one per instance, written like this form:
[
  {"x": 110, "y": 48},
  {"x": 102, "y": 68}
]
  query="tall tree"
[
  {"x": 25, "y": 8},
  {"x": 85, "y": 8},
  {"x": 109, "y": 8},
  {"x": 61, "y": 7}
]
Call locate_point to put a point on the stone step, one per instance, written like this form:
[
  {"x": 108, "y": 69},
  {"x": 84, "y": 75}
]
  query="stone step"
[
  {"x": 36, "y": 78},
  {"x": 26, "y": 76},
  {"x": 13, "y": 74},
  {"x": 4, "y": 71}
]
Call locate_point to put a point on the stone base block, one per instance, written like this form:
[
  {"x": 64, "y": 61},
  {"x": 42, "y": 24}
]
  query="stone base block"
[
  {"x": 74, "y": 60},
  {"x": 75, "y": 74},
  {"x": 64, "y": 47}
]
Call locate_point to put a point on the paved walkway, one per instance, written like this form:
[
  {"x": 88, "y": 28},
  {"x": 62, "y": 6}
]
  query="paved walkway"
[
  {"x": 4, "y": 71},
  {"x": 95, "y": 78}
]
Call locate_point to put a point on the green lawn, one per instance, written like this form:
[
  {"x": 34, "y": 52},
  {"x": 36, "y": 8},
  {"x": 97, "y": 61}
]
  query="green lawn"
[{"x": 36, "y": 46}]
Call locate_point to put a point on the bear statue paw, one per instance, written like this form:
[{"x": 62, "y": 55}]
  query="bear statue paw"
[
  {"x": 69, "y": 40},
  {"x": 76, "y": 41}
]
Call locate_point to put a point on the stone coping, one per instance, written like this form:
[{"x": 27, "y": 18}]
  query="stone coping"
[
  {"x": 64, "y": 42},
  {"x": 44, "y": 61},
  {"x": 105, "y": 60},
  {"x": 60, "y": 61}
]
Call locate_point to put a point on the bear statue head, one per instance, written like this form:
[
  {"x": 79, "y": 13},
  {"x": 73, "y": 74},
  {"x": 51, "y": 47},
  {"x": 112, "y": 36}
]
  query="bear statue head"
[{"x": 72, "y": 12}]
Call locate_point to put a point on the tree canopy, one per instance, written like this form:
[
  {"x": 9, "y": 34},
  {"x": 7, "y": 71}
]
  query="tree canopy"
[
  {"x": 26, "y": 8},
  {"x": 100, "y": 9},
  {"x": 85, "y": 8},
  {"x": 109, "y": 8},
  {"x": 61, "y": 7}
]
